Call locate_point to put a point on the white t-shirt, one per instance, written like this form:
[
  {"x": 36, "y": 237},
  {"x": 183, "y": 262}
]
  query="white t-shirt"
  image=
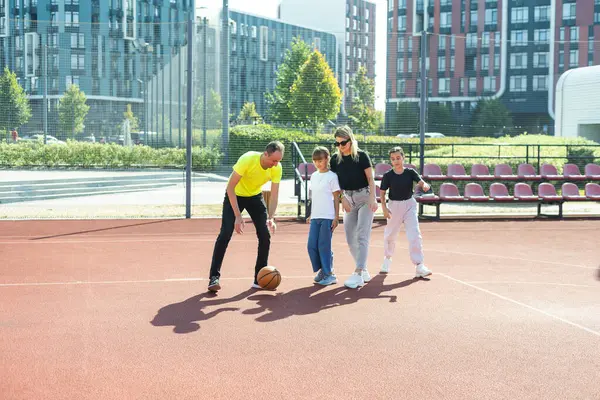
[{"x": 322, "y": 187}]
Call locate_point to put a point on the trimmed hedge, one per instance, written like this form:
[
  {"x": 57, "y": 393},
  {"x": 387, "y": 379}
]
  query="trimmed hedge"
[
  {"x": 443, "y": 151},
  {"x": 95, "y": 155}
]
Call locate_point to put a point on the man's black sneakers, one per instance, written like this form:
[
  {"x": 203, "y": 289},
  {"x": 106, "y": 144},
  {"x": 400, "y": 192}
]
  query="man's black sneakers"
[{"x": 213, "y": 284}]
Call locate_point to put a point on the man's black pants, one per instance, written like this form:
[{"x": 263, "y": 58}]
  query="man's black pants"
[{"x": 257, "y": 209}]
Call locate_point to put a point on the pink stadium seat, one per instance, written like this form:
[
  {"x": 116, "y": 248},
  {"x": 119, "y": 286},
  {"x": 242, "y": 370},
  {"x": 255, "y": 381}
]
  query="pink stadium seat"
[
  {"x": 504, "y": 172},
  {"x": 592, "y": 171},
  {"x": 499, "y": 192},
  {"x": 306, "y": 170},
  {"x": 527, "y": 172},
  {"x": 380, "y": 169},
  {"x": 523, "y": 192},
  {"x": 411, "y": 166},
  {"x": 481, "y": 172},
  {"x": 549, "y": 172},
  {"x": 457, "y": 172},
  {"x": 592, "y": 191},
  {"x": 547, "y": 192},
  {"x": 570, "y": 192},
  {"x": 449, "y": 192},
  {"x": 433, "y": 172},
  {"x": 572, "y": 173},
  {"x": 474, "y": 192}
]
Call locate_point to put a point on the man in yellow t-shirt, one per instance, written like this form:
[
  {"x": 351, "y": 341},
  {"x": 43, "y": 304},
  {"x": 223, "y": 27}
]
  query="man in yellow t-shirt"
[{"x": 244, "y": 192}]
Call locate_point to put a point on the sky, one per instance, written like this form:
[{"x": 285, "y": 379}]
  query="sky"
[{"x": 268, "y": 8}]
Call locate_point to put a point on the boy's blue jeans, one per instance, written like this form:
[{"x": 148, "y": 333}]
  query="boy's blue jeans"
[{"x": 319, "y": 245}]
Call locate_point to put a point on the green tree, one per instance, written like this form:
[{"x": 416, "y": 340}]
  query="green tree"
[
  {"x": 72, "y": 110},
  {"x": 363, "y": 113},
  {"x": 214, "y": 110},
  {"x": 14, "y": 105},
  {"x": 491, "y": 117},
  {"x": 316, "y": 95},
  {"x": 278, "y": 102},
  {"x": 439, "y": 119},
  {"x": 406, "y": 120},
  {"x": 248, "y": 114}
]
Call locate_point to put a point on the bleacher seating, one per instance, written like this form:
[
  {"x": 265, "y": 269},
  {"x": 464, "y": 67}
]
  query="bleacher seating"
[
  {"x": 481, "y": 172},
  {"x": 592, "y": 172}
]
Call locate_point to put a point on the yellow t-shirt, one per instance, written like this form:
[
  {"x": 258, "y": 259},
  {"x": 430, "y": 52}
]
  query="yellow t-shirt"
[{"x": 253, "y": 175}]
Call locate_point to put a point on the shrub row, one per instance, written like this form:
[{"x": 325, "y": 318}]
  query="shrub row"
[{"x": 94, "y": 155}]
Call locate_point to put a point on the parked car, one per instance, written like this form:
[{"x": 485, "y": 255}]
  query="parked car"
[{"x": 40, "y": 138}]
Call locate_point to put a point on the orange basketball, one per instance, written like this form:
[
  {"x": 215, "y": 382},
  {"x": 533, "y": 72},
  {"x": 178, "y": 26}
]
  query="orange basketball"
[{"x": 268, "y": 278}]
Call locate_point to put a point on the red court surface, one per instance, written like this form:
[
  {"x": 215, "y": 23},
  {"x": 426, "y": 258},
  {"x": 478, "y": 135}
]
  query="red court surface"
[{"x": 112, "y": 309}]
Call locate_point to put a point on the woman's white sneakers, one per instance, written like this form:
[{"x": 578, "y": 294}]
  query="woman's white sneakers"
[{"x": 358, "y": 279}]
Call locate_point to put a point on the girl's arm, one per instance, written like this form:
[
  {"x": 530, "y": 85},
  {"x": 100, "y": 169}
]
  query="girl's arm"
[{"x": 424, "y": 185}]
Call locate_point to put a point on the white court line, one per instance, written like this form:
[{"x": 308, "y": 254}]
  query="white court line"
[
  {"x": 566, "y": 321},
  {"x": 531, "y": 283},
  {"x": 460, "y": 253},
  {"x": 248, "y": 278},
  {"x": 275, "y": 241}
]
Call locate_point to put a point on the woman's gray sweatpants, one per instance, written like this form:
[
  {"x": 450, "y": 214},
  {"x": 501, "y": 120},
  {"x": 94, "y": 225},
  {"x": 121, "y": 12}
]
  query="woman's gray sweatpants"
[{"x": 357, "y": 225}]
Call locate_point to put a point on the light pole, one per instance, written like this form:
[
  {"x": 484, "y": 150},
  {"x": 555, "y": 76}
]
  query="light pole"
[{"x": 144, "y": 48}]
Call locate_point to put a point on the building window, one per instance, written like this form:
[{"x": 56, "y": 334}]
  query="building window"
[
  {"x": 540, "y": 83},
  {"x": 518, "y": 60},
  {"x": 77, "y": 41},
  {"x": 489, "y": 84},
  {"x": 400, "y": 87},
  {"x": 569, "y": 11},
  {"x": 72, "y": 18},
  {"x": 77, "y": 61},
  {"x": 491, "y": 16},
  {"x": 444, "y": 85},
  {"x": 445, "y": 20},
  {"x": 441, "y": 63},
  {"x": 264, "y": 43},
  {"x": 402, "y": 23},
  {"x": 574, "y": 34},
  {"x": 485, "y": 62},
  {"x": 541, "y": 13},
  {"x": 518, "y": 38},
  {"x": 71, "y": 80},
  {"x": 471, "y": 40},
  {"x": 485, "y": 39},
  {"x": 519, "y": 15},
  {"x": 541, "y": 36},
  {"x": 540, "y": 60},
  {"x": 518, "y": 83},
  {"x": 573, "y": 58}
]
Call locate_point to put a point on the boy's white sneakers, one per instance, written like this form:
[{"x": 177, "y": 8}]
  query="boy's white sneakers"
[
  {"x": 385, "y": 267},
  {"x": 422, "y": 271}
]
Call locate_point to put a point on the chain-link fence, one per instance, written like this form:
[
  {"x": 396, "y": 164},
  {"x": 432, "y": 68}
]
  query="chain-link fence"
[{"x": 95, "y": 97}]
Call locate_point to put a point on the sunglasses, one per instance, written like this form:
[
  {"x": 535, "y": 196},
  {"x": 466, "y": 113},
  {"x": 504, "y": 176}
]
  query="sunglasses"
[{"x": 343, "y": 143}]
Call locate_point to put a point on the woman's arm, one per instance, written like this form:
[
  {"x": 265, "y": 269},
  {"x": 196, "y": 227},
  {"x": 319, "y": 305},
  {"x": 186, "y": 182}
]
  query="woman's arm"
[{"x": 372, "y": 197}]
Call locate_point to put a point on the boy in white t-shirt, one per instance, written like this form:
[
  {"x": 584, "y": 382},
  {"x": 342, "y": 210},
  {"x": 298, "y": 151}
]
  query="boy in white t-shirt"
[{"x": 325, "y": 189}]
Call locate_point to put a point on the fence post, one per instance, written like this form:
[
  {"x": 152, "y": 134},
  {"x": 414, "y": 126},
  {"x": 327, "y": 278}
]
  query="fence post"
[{"x": 188, "y": 138}]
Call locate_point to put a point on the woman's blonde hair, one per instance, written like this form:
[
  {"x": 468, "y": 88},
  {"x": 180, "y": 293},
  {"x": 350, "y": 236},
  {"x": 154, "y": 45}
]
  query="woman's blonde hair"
[{"x": 345, "y": 132}]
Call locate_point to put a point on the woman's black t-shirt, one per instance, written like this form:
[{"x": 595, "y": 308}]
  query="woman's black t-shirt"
[
  {"x": 400, "y": 185},
  {"x": 351, "y": 174}
]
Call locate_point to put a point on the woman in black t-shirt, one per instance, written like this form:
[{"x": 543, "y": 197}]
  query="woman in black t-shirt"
[{"x": 355, "y": 174}]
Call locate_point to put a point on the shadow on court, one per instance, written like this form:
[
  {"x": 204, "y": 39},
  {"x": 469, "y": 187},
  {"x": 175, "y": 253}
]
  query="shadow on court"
[
  {"x": 184, "y": 316},
  {"x": 312, "y": 299}
]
